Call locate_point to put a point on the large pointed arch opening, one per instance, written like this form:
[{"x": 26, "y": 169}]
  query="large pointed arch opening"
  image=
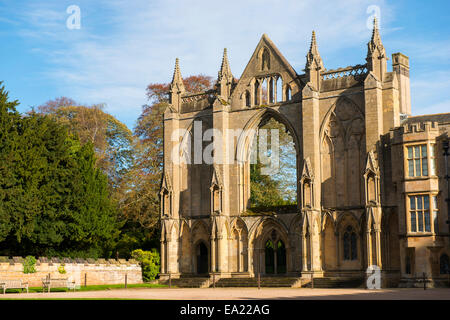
[{"x": 268, "y": 156}]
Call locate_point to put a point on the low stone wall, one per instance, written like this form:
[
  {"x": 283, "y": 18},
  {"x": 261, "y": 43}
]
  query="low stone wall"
[{"x": 83, "y": 271}]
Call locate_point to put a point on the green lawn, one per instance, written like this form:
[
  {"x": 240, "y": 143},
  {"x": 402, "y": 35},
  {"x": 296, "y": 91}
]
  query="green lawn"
[{"x": 94, "y": 288}]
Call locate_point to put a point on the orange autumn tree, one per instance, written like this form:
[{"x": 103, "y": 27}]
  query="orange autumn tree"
[{"x": 140, "y": 207}]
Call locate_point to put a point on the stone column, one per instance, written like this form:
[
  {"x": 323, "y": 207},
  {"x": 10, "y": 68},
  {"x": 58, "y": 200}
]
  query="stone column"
[
  {"x": 260, "y": 83},
  {"x": 304, "y": 253},
  {"x": 213, "y": 254},
  {"x": 239, "y": 254},
  {"x": 311, "y": 244},
  {"x": 193, "y": 255},
  {"x": 219, "y": 253},
  {"x": 369, "y": 248},
  {"x": 163, "y": 257},
  {"x": 338, "y": 250},
  {"x": 378, "y": 246},
  {"x": 168, "y": 253},
  {"x": 275, "y": 85}
]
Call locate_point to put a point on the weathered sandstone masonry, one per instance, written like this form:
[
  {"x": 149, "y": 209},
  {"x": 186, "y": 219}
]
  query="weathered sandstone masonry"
[{"x": 94, "y": 272}]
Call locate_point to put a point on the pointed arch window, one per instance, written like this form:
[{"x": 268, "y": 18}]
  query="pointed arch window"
[
  {"x": 288, "y": 93},
  {"x": 247, "y": 99},
  {"x": 350, "y": 244}
]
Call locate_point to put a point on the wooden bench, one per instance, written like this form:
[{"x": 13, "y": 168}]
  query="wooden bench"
[
  {"x": 13, "y": 284},
  {"x": 57, "y": 283}
]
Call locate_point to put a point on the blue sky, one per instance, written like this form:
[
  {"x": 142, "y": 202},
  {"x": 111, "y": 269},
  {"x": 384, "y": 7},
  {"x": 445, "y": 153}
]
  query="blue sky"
[{"x": 122, "y": 46}]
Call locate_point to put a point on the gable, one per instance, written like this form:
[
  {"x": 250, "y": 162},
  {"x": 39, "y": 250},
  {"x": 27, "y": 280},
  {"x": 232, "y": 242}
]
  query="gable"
[{"x": 266, "y": 62}]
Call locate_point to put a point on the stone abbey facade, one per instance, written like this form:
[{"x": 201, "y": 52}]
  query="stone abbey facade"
[{"x": 371, "y": 187}]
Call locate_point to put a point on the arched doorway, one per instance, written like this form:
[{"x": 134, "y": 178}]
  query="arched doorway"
[
  {"x": 281, "y": 257},
  {"x": 202, "y": 258},
  {"x": 274, "y": 255},
  {"x": 269, "y": 257}
]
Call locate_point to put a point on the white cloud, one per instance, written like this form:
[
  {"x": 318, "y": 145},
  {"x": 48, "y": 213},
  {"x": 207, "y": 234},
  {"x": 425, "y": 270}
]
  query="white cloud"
[{"x": 138, "y": 42}]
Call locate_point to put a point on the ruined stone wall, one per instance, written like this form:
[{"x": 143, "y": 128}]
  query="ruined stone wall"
[{"x": 94, "y": 272}]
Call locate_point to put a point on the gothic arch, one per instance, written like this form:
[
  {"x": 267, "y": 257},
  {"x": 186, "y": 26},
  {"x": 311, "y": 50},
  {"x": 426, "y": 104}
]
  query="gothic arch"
[
  {"x": 342, "y": 132},
  {"x": 246, "y": 137},
  {"x": 257, "y": 228},
  {"x": 244, "y": 147},
  {"x": 327, "y": 216},
  {"x": 273, "y": 230},
  {"x": 340, "y": 101},
  {"x": 202, "y": 226}
]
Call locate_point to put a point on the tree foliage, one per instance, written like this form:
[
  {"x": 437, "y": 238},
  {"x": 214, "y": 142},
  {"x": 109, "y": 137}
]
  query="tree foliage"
[
  {"x": 53, "y": 199},
  {"x": 112, "y": 140},
  {"x": 150, "y": 263},
  {"x": 275, "y": 187}
]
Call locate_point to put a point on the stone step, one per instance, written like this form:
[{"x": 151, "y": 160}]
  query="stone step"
[
  {"x": 195, "y": 282},
  {"x": 271, "y": 282},
  {"x": 253, "y": 282},
  {"x": 336, "y": 283}
]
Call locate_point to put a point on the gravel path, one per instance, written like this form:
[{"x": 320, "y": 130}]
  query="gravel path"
[{"x": 241, "y": 293}]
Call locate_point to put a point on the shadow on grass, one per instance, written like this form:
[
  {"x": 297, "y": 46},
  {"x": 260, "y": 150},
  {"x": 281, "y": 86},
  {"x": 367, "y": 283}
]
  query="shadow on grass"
[{"x": 90, "y": 288}]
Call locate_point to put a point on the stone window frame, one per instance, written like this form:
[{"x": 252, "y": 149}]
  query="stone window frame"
[
  {"x": 431, "y": 211},
  {"x": 351, "y": 238},
  {"x": 430, "y": 157}
]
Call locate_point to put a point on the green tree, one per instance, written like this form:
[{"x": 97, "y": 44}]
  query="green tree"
[
  {"x": 112, "y": 140},
  {"x": 9, "y": 141},
  {"x": 53, "y": 199},
  {"x": 150, "y": 263},
  {"x": 279, "y": 187}
]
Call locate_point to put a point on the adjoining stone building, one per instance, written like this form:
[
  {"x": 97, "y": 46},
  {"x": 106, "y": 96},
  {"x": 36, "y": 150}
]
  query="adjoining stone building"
[{"x": 371, "y": 177}]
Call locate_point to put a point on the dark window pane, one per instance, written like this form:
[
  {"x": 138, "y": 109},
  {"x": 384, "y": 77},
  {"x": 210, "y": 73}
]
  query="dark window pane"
[
  {"x": 354, "y": 246},
  {"x": 426, "y": 202},
  {"x": 420, "y": 220},
  {"x": 346, "y": 246},
  {"x": 410, "y": 152},
  {"x": 417, "y": 167},
  {"x": 411, "y": 168},
  {"x": 412, "y": 203},
  {"x": 427, "y": 221},
  {"x": 424, "y": 151},
  {"x": 413, "y": 222},
  {"x": 424, "y": 166}
]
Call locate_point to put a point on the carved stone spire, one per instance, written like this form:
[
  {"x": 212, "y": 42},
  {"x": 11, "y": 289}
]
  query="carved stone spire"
[
  {"x": 375, "y": 42},
  {"x": 225, "y": 71},
  {"x": 177, "y": 80},
  {"x": 225, "y": 77},
  {"x": 376, "y": 54},
  {"x": 313, "y": 58},
  {"x": 314, "y": 63},
  {"x": 176, "y": 87}
]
